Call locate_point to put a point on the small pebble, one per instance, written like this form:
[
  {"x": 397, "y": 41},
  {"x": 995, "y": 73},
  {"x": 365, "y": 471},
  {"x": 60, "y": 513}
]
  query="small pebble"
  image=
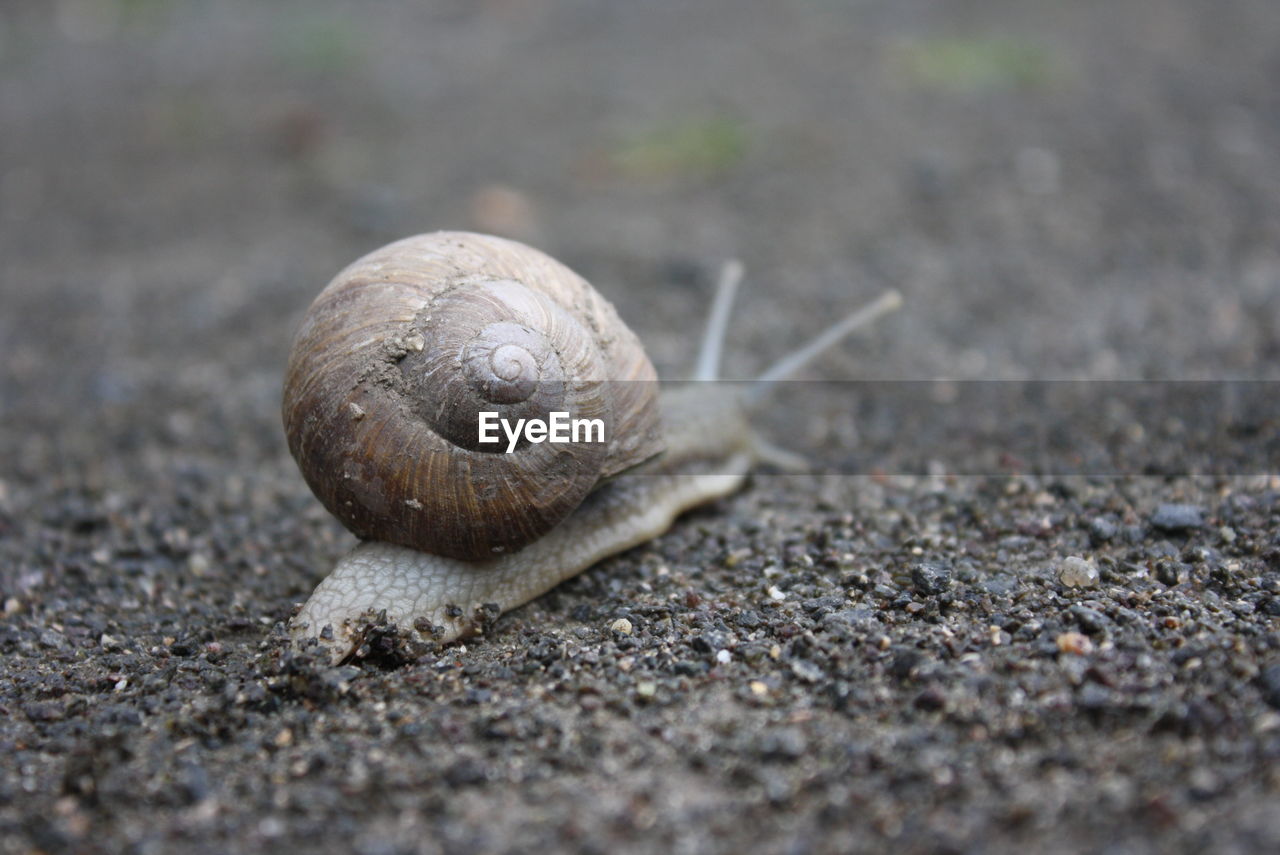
[
  {"x": 1170, "y": 572},
  {"x": 1269, "y": 683},
  {"x": 807, "y": 671},
  {"x": 1177, "y": 517},
  {"x": 1076, "y": 572},
  {"x": 1102, "y": 529},
  {"x": 1075, "y": 642},
  {"x": 1094, "y": 697},
  {"x": 931, "y": 577},
  {"x": 1091, "y": 621},
  {"x": 931, "y": 698},
  {"x": 621, "y": 626}
]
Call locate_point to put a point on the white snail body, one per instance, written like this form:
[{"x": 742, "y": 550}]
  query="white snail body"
[
  {"x": 438, "y": 596},
  {"x": 347, "y": 371}
]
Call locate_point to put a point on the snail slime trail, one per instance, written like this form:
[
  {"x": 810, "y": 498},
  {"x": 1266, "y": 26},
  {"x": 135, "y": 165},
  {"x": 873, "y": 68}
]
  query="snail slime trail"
[{"x": 558, "y": 429}]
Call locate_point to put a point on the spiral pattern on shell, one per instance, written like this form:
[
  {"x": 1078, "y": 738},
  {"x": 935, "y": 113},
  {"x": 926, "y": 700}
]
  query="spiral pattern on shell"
[{"x": 398, "y": 355}]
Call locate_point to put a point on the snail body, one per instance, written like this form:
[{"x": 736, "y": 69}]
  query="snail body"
[
  {"x": 388, "y": 444},
  {"x": 438, "y": 596}
]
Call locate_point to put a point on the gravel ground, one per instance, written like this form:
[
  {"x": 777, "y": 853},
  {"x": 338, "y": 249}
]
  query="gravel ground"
[{"x": 930, "y": 656}]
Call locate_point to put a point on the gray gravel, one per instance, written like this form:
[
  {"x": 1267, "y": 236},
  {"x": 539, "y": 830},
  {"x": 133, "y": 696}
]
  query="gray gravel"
[{"x": 825, "y": 663}]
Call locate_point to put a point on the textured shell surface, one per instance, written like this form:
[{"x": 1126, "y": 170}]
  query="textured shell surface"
[{"x": 400, "y": 352}]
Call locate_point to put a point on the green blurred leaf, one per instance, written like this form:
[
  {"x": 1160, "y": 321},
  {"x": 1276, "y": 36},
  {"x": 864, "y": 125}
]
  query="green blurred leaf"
[
  {"x": 698, "y": 146},
  {"x": 976, "y": 64},
  {"x": 322, "y": 44}
]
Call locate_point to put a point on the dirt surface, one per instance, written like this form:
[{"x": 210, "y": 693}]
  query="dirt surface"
[{"x": 817, "y": 664}]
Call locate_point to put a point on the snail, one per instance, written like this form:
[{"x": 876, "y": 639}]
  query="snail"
[{"x": 386, "y": 380}]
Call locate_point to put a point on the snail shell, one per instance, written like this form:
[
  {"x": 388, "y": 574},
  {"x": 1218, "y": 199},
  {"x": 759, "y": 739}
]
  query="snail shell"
[{"x": 398, "y": 355}]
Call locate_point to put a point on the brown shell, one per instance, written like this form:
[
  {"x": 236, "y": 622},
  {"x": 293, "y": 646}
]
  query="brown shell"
[{"x": 396, "y": 357}]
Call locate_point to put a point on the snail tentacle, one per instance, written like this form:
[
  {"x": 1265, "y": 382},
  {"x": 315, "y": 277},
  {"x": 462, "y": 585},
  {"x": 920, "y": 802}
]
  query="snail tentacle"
[
  {"x": 713, "y": 337},
  {"x": 788, "y": 365}
]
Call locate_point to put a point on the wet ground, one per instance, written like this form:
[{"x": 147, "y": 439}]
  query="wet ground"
[{"x": 891, "y": 659}]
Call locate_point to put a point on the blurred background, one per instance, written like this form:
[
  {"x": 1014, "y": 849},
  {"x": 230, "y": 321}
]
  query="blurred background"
[{"x": 1085, "y": 190}]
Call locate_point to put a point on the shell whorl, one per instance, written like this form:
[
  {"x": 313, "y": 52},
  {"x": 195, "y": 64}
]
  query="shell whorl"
[{"x": 396, "y": 357}]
